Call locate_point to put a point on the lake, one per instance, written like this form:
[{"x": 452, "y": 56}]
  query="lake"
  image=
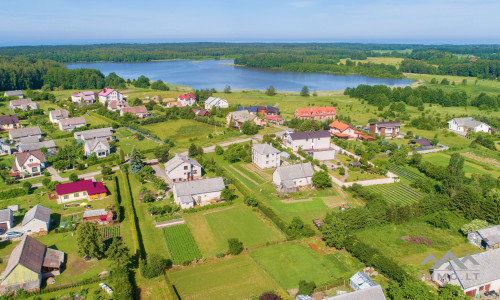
[{"x": 218, "y": 74}]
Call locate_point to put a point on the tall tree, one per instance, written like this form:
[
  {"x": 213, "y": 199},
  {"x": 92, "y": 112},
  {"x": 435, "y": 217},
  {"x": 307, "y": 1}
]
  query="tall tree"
[
  {"x": 118, "y": 252},
  {"x": 455, "y": 173},
  {"x": 271, "y": 91},
  {"x": 89, "y": 240},
  {"x": 334, "y": 233},
  {"x": 136, "y": 164},
  {"x": 305, "y": 91}
]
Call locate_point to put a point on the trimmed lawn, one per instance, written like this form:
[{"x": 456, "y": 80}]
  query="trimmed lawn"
[
  {"x": 470, "y": 168},
  {"x": 290, "y": 262},
  {"x": 127, "y": 140},
  {"x": 236, "y": 277}
]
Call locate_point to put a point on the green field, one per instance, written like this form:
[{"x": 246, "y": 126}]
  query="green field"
[
  {"x": 127, "y": 140},
  {"x": 180, "y": 244},
  {"x": 404, "y": 173},
  {"x": 442, "y": 159},
  {"x": 290, "y": 262},
  {"x": 236, "y": 277},
  {"x": 396, "y": 193}
]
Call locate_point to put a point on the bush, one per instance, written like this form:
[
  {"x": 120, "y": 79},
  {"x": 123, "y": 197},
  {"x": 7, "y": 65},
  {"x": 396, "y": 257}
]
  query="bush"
[
  {"x": 220, "y": 255},
  {"x": 154, "y": 266},
  {"x": 306, "y": 287},
  {"x": 270, "y": 296},
  {"x": 234, "y": 246},
  {"x": 322, "y": 179},
  {"x": 73, "y": 177},
  {"x": 251, "y": 201},
  {"x": 342, "y": 171}
]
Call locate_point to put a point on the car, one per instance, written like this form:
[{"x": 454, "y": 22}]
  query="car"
[
  {"x": 12, "y": 235},
  {"x": 491, "y": 293}
]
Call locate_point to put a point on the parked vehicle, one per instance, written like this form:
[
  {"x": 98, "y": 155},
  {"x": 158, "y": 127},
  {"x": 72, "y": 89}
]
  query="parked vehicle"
[
  {"x": 12, "y": 235},
  {"x": 491, "y": 293}
]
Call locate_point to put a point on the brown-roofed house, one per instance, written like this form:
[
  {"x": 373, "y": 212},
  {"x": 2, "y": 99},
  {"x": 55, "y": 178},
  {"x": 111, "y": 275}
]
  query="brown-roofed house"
[
  {"x": 9, "y": 122},
  {"x": 385, "y": 128},
  {"x": 28, "y": 163},
  {"x": 140, "y": 111}
]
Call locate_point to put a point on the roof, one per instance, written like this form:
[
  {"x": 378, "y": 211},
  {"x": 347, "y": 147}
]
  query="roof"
[
  {"x": 29, "y": 140},
  {"x": 185, "y": 190},
  {"x": 94, "y": 213},
  {"x": 385, "y": 123},
  {"x": 37, "y": 146},
  {"x": 242, "y": 116},
  {"x": 295, "y": 171},
  {"x": 53, "y": 258},
  {"x": 490, "y": 234},
  {"x": 178, "y": 160},
  {"x": 5, "y": 215},
  {"x": 362, "y": 280},
  {"x": 92, "y": 144},
  {"x": 83, "y": 94},
  {"x": 14, "y": 93},
  {"x": 356, "y": 163},
  {"x": 115, "y": 104},
  {"x": 468, "y": 122},
  {"x": 38, "y": 212},
  {"x": 87, "y": 185},
  {"x": 202, "y": 112},
  {"x": 28, "y": 131},
  {"x": 59, "y": 114},
  {"x": 29, "y": 253},
  {"x": 285, "y": 154},
  {"x": 309, "y": 135},
  {"x": 248, "y": 108},
  {"x": 186, "y": 96},
  {"x": 72, "y": 121},
  {"x": 265, "y": 149},
  {"x": 339, "y": 125},
  {"x": 105, "y": 92},
  {"x": 94, "y": 133},
  {"x": 316, "y": 111},
  {"x": 9, "y": 119},
  {"x": 135, "y": 110},
  {"x": 213, "y": 101},
  {"x": 274, "y": 118},
  {"x": 423, "y": 142},
  {"x": 174, "y": 103},
  {"x": 13, "y": 207},
  {"x": 23, "y": 156},
  {"x": 371, "y": 293}
]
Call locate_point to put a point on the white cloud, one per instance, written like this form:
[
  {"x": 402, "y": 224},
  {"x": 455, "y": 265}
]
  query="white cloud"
[{"x": 302, "y": 3}]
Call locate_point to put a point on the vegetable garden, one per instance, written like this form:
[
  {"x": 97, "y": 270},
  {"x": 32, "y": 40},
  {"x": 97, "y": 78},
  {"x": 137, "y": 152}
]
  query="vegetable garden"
[
  {"x": 398, "y": 194},
  {"x": 180, "y": 244},
  {"x": 404, "y": 173}
]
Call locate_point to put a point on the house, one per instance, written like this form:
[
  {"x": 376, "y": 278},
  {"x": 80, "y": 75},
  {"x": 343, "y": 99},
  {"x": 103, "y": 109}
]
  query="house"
[
  {"x": 274, "y": 119},
  {"x": 50, "y": 145},
  {"x": 198, "y": 192},
  {"x": 289, "y": 179},
  {"x": 84, "y": 189},
  {"x": 139, "y": 111},
  {"x": 464, "y": 125},
  {"x": 29, "y": 263},
  {"x": 187, "y": 99},
  {"x": 117, "y": 105},
  {"x": 182, "y": 168},
  {"x": 421, "y": 144},
  {"x": 385, "y": 128},
  {"x": 9, "y": 122},
  {"x": 14, "y": 208},
  {"x": 266, "y": 156},
  {"x": 201, "y": 112},
  {"x": 98, "y": 216},
  {"x": 356, "y": 164},
  {"x": 109, "y": 95},
  {"x": 316, "y": 113},
  {"x": 83, "y": 98},
  {"x": 56, "y": 115},
  {"x": 174, "y": 104},
  {"x": 259, "y": 109},
  {"x": 72, "y": 123},
  {"x": 314, "y": 143},
  {"x": 36, "y": 220},
  {"x": 5, "y": 147},
  {"x": 18, "y": 134},
  {"x": 30, "y": 162},
  {"x": 487, "y": 237},
  {"x": 361, "y": 281},
  {"x": 22, "y": 104},
  {"x": 99, "y": 146},
  {"x": 343, "y": 131},
  {"x": 372, "y": 293},
  {"x": 218, "y": 103},
  {"x": 19, "y": 94},
  {"x": 237, "y": 118},
  {"x": 106, "y": 133},
  {"x": 474, "y": 274},
  {"x": 6, "y": 219},
  {"x": 28, "y": 140}
]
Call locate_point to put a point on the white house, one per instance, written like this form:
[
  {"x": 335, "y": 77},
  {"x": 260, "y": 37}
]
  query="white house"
[
  {"x": 473, "y": 273},
  {"x": 106, "y": 133},
  {"x": 117, "y": 105},
  {"x": 98, "y": 146},
  {"x": 6, "y": 219},
  {"x": 385, "y": 128},
  {"x": 266, "y": 156},
  {"x": 30, "y": 162},
  {"x": 464, "y": 125},
  {"x": 18, "y": 134},
  {"x": 182, "y": 168},
  {"x": 187, "y": 99},
  {"x": 22, "y": 104},
  {"x": 56, "y": 115},
  {"x": 109, "y": 95},
  {"x": 72, "y": 123},
  {"x": 87, "y": 97},
  {"x": 36, "y": 220},
  {"x": 290, "y": 178},
  {"x": 314, "y": 143},
  {"x": 216, "y": 102},
  {"x": 19, "y": 94},
  {"x": 50, "y": 145},
  {"x": 198, "y": 192},
  {"x": 5, "y": 147}
]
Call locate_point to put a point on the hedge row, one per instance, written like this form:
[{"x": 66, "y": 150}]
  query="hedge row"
[
  {"x": 65, "y": 286},
  {"x": 167, "y": 218},
  {"x": 12, "y": 193},
  {"x": 206, "y": 207},
  {"x": 117, "y": 200},
  {"x": 132, "y": 215}
]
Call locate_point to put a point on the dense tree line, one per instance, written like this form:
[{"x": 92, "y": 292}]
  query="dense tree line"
[{"x": 18, "y": 73}]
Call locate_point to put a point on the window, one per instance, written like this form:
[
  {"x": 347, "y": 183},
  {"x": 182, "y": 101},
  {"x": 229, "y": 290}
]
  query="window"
[
  {"x": 267, "y": 156},
  {"x": 66, "y": 197},
  {"x": 76, "y": 194},
  {"x": 34, "y": 169},
  {"x": 185, "y": 167},
  {"x": 195, "y": 171}
]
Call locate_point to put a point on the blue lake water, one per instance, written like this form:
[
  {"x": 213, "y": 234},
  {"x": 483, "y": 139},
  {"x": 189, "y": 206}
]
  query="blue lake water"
[{"x": 216, "y": 74}]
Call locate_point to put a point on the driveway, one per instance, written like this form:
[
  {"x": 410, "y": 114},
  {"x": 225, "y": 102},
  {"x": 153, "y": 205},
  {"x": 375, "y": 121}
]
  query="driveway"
[{"x": 159, "y": 172}]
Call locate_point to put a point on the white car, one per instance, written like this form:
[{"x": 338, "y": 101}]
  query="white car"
[{"x": 12, "y": 235}]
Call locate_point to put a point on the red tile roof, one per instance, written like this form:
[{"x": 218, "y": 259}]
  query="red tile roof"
[
  {"x": 105, "y": 92},
  {"x": 315, "y": 111},
  {"x": 339, "y": 125},
  {"x": 341, "y": 135},
  {"x": 174, "y": 103},
  {"x": 274, "y": 118},
  {"x": 186, "y": 96},
  {"x": 87, "y": 185}
]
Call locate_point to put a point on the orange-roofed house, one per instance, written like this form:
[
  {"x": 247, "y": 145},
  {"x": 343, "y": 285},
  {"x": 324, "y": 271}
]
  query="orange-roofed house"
[
  {"x": 316, "y": 113},
  {"x": 343, "y": 131},
  {"x": 274, "y": 119}
]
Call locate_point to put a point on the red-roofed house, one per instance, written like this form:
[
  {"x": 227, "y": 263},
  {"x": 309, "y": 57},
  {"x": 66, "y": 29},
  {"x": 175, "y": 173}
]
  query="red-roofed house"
[
  {"x": 473, "y": 59},
  {"x": 174, "y": 104},
  {"x": 201, "y": 112},
  {"x": 343, "y": 131},
  {"x": 274, "y": 119},
  {"x": 85, "y": 189},
  {"x": 109, "y": 95},
  {"x": 117, "y": 105},
  {"x": 187, "y": 99},
  {"x": 316, "y": 113},
  {"x": 140, "y": 111}
]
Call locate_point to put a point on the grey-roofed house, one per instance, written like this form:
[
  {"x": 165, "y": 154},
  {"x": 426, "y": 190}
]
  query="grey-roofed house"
[
  {"x": 17, "y": 134},
  {"x": 464, "y": 125},
  {"x": 99, "y": 146},
  {"x": 18, "y": 93},
  {"x": 28, "y": 140},
  {"x": 290, "y": 178},
  {"x": 473, "y": 273},
  {"x": 237, "y": 118},
  {"x": 72, "y": 123},
  {"x": 371, "y": 293},
  {"x": 106, "y": 133},
  {"x": 265, "y": 156},
  {"x": 14, "y": 208},
  {"x": 29, "y": 262},
  {"x": 182, "y": 168},
  {"x": 361, "y": 281},
  {"x": 198, "y": 192},
  {"x": 421, "y": 144},
  {"x": 50, "y": 145},
  {"x": 487, "y": 237},
  {"x": 36, "y": 220},
  {"x": 57, "y": 115},
  {"x": 6, "y": 219},
  {"x": 23, "y": 104}
]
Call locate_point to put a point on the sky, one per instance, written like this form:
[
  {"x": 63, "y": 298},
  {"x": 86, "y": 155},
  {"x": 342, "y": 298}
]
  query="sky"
[{"x": 36, "y": 22}]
